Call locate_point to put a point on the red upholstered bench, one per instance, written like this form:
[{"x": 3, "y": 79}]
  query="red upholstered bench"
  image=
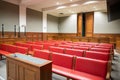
[
  {"x": 63, "y": 60},
  {"x": 80, "y": 48},
  {"x": 22, "y": 50},
  {"x": 75, "y": 52},
  {"x": 29, "y": 46},
  {"x": 101, "y": 50},
  {"x": 6, "y": 49},
  {"x": 42, "y": 54},
  {"x": 62, "y": 63},
  {"x": 56, "y": 49},
  {"x": 66, "y": 46},
  {"x": 103, "y": 47},
  {"x": 98, "y": 55},
  {"x": 46, "y": 46},
  {"x": 79, "y": 68},
  {"x": 11, "y": 48},
  {"x": 89, "y": 69},
  {"x": 40, "y": 47}
]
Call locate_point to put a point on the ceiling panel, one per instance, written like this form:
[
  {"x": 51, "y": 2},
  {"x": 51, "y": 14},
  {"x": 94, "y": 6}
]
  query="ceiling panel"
[{"x": 67, "y": 7}]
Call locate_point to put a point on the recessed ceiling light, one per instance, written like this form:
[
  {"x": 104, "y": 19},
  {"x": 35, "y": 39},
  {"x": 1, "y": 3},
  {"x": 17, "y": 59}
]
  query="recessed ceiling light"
[
  {"x": 61, "y": 13},
  {"x": 60, "y": 7},
  {"x": 74, "y": 5},
  {"x": 94, "y": 8},
  {"x": 71, "y": 0},
  {"x": 57, "y": 3},
  {"x": 89, "y": 2}
]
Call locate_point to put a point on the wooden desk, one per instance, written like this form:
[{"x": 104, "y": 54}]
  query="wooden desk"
[{"x": 24, "y": 67}]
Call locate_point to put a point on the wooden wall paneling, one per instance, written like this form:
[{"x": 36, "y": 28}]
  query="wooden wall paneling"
[
  {"x": 67, "y": 34},
  {"x": 9, "y": 40},
  {"x": 84, "y": 39},
  {"x": 51, "y": 36},
  {"x": 118, "y": 44},
  {"x": 94, "y": 39},
  {"x": 79, "y": 24},
  {"x": 67, "y": 38},
  {"x": 35, "y": 37},
  {"x": 40, "y": 36},
  {"x": 61, "y": 38},
  {"x": 44, "y": 36},
  {"x": 0, "y": 40},
  {"x": 29, "y": 36},
  {"x": 0, "y": 34},
  {"x": 75, "y": 39},
  {"x": 89, "y": 21},
  {"x": 112, "y": 40},
  {"x": 104, "y": 40}
]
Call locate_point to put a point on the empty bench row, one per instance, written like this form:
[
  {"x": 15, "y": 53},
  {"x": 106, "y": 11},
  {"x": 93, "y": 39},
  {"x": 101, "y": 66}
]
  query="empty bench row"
[
  {"x": 8, "y": 49},
  {"x": 76, "y": 68}
]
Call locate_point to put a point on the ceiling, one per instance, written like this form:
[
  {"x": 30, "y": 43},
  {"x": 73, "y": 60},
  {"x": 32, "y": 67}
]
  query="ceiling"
[{"x": 61, "y": 8}]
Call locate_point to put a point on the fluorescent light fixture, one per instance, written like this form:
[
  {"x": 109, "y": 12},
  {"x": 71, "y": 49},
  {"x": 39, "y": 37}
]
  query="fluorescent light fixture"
[
  {"x": 89, "y": 2},
  {"x": 74, "y": 5},
  {"x": 61, "y": 7},
  {"x": 71, "y": 0}
]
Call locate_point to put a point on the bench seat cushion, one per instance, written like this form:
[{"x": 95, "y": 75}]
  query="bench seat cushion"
[
  {"x": 74, "y": 74},
  {"x": 4, "y": 52}
]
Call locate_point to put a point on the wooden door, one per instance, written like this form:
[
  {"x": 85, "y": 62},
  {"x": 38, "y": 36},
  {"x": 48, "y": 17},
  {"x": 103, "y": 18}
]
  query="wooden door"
[{"x": 89, "y": 23}]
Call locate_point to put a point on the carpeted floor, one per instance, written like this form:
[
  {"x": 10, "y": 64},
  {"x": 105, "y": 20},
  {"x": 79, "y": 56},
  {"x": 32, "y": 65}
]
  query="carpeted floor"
[{"x": 115, "y": 73}]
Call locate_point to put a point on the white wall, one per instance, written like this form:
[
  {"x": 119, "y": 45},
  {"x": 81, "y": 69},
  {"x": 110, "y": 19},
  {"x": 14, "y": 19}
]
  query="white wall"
[
  {"x": 101, "y": 24},
  {"x": 68, "y": 24},
  {"x": 33, "y": 20},
  {"x": 9, "y": 16},
  {"x": 52, "y": 24}
]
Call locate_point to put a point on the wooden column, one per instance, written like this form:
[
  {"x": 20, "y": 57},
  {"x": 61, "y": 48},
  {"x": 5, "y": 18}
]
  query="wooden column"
[{"x": 79, "y": 24}]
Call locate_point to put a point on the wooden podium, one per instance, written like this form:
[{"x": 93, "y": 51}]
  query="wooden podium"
[{"x": 24, "y": 67}]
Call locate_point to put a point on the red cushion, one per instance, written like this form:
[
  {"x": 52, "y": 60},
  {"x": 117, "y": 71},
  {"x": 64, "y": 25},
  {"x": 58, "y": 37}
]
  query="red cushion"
[
  {"x": 103, "y": 47},
  {"x": 57, "y": 49},
  {"x": 97, "y": 55},
  {"x": 4, "y": 52},
  {"x": 106, "y": 44},
  {"x": 22, "y": 50},
  {"x": 100, "y": 50},
  {"x": 74, "y": 52},
  {"x": 91, "y": 66},
  {"x": 76, "y": 75},
  {"x": 18, "y": 44},
  {"x": 41, "y": 54},
  {"x": 11, "y": 48},
  {"x": 29, "y": 46},
  {"x": 81, "y": 48},
  {"x": 46, "y": 46},
  {"x": 37, "y": 47},
  {"x": 63, "y": 60},
  {"x": 65, "y": 46},
  {"x": 89, "y": 46},
  {"x": 3, "y": 47}
]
